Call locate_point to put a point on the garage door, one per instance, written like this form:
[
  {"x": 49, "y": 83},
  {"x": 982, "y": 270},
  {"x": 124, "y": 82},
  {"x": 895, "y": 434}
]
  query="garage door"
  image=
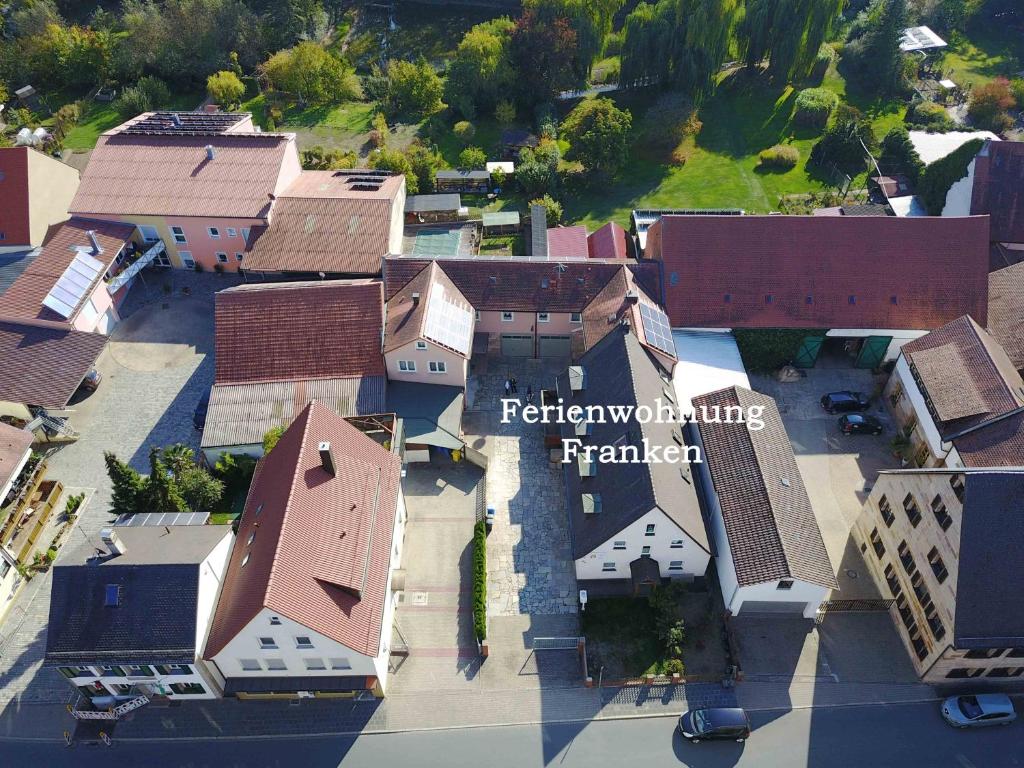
[
  {"x": 555, "y": 346},
  {"x": 516, "y": 346},
  {"x": 770, "y": 606}
]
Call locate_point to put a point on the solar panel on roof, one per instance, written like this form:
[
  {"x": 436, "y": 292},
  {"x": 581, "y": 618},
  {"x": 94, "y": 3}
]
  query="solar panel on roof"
[
  {"x": 71, "y": 287},
  {"x": 657, "y": 330},
  {"x": 146, "y": 519},
  {"x": 448, "y": 323}
]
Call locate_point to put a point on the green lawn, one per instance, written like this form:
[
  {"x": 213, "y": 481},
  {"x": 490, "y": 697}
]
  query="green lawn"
[
  {"x": 620, "y": 632},
  {"x": 983, "y": 54},
  {"x": 101, "y": 116}
]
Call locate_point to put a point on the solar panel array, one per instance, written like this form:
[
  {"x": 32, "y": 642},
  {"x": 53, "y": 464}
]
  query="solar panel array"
[
  {"x": 448, "y": 323},
  {"x": 657, "y": 330},
  {"x": 188, "y": 123},
  {"x": 162, "y": 518},
  {"x": 72, "y": 286}
]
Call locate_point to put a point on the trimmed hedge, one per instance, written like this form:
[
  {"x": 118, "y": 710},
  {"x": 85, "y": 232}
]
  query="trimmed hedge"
[
  {"x": 814, "y": 107},
  {"x": 943, "y": 174},
  {"x": 480, "y": 581},
  {"x": 929, "y": 115},
  {"x": 766, "y": 350},
  {"x": 780, "y": 156}
]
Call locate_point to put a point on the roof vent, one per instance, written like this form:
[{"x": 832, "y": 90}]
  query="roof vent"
[
  {"x": 176, "y": 119},
  {"x": 784, "y": 481},
  {"x": 210, "y": 153},
  {"x": 632, "y": 297},
  {"x": 591, "y": 503},
  {"x": 577, "y": 378},
  {"x": 113, "y": 542},
  {"x": 96, "y": 247},
  {"x": 327, "y": 458},
  {"x": 415, "y": 299}
]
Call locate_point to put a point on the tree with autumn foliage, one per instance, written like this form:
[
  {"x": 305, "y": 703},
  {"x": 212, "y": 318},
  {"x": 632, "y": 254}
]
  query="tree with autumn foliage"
[{"x": 543, "y": 54}]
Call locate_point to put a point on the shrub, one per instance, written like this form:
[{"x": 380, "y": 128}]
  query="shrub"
[
  {"x": 464, "y": 131},
  {"x": 929, "y": 115},
  {"x": 380, "y": 131},
  {"x": 899, "y": 156},
  {"x": 225, "y": 88},
  {"x": 73, "y": 505},
  {"x": 271, "y": 438},
  {"x": 990, "y": 104},
  {"x": 814, "y": 106},
  {"x": 149, "y": 94},
  {"x": 498, "y": 178},
  {"x": 845, "y": 141},
  {"x": 480, "y": 581},
  {"x": 669, "y": 120},
  {"x": 472, "y": 159},
  {"x": 552, "y": 209},
  {"x": 765, "y": 350},
  {"x": 1017, "y": 89},
  {"x": 674, "y": 667},
  {"x": 546, "y": 119},
  {"x": 51, "y": 555},
  {"x": 504, "y": 112},
  {"x": 822, "y": 61},
  {"x": 780, "y": 156}
]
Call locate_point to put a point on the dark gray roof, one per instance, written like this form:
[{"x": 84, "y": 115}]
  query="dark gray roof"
[
  {"x": 623, "y": 373},
  {"x": 13, "y": 264},
  {"x": 463, "y": 174},
  {"x": 430, "y": 413},
  {"x": 158, "y": 588},
  {"x": 431, "y": 203},
  {"x": 771, "y": 527},
  {"x": 538, "y": 231},
  {"x": 990, "y": 580}
]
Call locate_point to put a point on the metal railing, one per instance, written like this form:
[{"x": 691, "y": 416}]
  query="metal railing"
[{"x": 143, "y": 261}]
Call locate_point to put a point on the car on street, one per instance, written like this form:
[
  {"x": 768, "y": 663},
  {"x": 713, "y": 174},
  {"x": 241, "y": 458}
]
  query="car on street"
[
  {"x": 92, "y": 380},
  {"x": 977, "y": 710},
  {"x": 845, "y": 401},
  {"x": 199, "y": 417},
  {"x": 860, "y": 424},
  {"x": 715, "y": 723}
]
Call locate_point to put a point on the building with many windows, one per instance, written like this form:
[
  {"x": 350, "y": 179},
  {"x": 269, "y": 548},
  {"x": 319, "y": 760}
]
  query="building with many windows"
[{"x": 947, "y": 547}]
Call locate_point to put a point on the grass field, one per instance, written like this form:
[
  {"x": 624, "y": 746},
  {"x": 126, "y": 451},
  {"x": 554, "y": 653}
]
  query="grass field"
[
  {"x": 101, "y": 116},
  {"x": 988, "y": 52}
]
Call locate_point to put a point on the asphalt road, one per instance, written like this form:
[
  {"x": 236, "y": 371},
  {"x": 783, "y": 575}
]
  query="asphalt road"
[{"x": 903, "y": 735}]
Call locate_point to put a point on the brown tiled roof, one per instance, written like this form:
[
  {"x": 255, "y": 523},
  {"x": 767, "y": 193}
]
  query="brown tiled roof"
[
  {"x": 772, "y": 531},
  {"x": 13, "y": 445},
  {"x": 999, "y": 189},
  {"x": 15, "y": 217},
  {"x": 406, "y": 321},
  {"x": 821, "y": 271},
  {"x": 608, "y": 242},
  {"x": 970, "y": 374},
  {"x": 321, "y": 550},
  {"x": 518, "y": 286},
  {"x": 568, "y": 243},
  {"x": 611, "y": 303},
  {"x": 305, "y": 330},
  {"x": 322, "y": 224},
  {"x": 24, "y": 299},
  {"x": 168, "y": 175},
  {"x": 44, "y": 366},
  {"x": 1006, "y": 311},
  {"x": 997, "y": 444}
]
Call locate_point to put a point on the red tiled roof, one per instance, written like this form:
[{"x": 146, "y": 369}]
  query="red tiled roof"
[
  {"x": 567, "y": 243},
  {"x": 169, "y": 175},
  {"x": 821, "y": 271},
  {"x": 321, "y": 550},
  {"x": 406, "y": 321},
  {"x": 608, "y": 242},
  {"x": 613, "y": 303},
  {"x": 24, "y": 299},
  {"x": 14, "y": 443},
  {"x": 517, "y": 286},
  {"x": 999, "y": 189},
  {"x": 44, "y": 366},
  {"x": 15, "y": 221},
  {"x": 305, "y": 330},
  {"x": 1006, "y": 311}
]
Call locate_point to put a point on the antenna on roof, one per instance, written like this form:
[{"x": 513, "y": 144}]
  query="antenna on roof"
[
  {"x": 210, "y": 153},
  {"x": 176, "y": 119}
]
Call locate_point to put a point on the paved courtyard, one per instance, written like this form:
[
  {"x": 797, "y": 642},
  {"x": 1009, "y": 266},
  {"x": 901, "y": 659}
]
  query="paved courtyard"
[{"x": 156, "y": 367}]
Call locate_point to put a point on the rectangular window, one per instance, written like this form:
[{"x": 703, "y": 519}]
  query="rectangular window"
[
  {"x": 543, "y": 317},
  {"x": 608, "y": 567},
  {"x": 188, "y": 689},
  {"x": 275, "y": 664},
  {"x": 963, "y": 672},
  {"x": 179, "y": 235},
  {"x": 214, "y": 233},
  {"x": 232, "y": 232},
  {"x": 940, "y": 512},
  {"x": 956, "y": 482},
  {"x": 507, "y": 317},
  {"x": 268, "y": 642},
  {"x": 421, "y": 345},
  {"x": 876, "y": 544},
  {"x": 222, "y": 257},
  {"x": 675, "y": 565},
  {"x": 645, "y": 551},
  {"x": 407, "y": 365},
  {"x": 438, "y": 366},
  {"x": 303, "y": 642},
  {"x": 1005, "y": 672},
  {"x": 186, "y": 259},
  {"x": 619, "y": 545},
  {"x": 893, "y": 581},
  {"x": 785, "y": 584},
  {"x": 885, "y": 510},
  {"x": 895, "y": 395},
  {"x": 245, "y": 234},
  {"x": 984, "y": 653},
  {"x": 907, "y": 558},
  {"x": 576, "y": 317},
  {"x": 149, "y": 234},
  {"x": 340, "y": 664},
  {"x": 912, "y": 510},
  {"x": 938, "y": 567},
  {"x": 676, "y": 544},
  {"x": 250, "y": 665},
  {"x": 239, "y": 256},
  {"x": 649, "y": 530},
  {"x": 312, "y": 664},
  {"x": 139, "y": 670}
]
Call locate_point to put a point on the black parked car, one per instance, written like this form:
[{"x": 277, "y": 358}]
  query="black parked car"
[
  {"x": 717, "y": 723},
  {"x": 860, "y": 424},
  {"x": 199, "y": 417},
  {"x": 845, "y": 402}
]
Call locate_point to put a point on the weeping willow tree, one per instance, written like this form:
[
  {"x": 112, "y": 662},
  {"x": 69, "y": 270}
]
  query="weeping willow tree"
[
  {"x": 788, "y": 33},
  {"x": 680, "y": 43},
  {"x": 591, "y": 20}
]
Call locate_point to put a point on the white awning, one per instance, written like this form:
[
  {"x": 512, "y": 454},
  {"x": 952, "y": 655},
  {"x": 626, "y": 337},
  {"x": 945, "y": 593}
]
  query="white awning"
[{"x": 145, "y": 259}]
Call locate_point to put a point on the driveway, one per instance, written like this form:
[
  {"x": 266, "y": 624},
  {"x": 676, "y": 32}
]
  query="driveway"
[{"x": 158, "y": 364}]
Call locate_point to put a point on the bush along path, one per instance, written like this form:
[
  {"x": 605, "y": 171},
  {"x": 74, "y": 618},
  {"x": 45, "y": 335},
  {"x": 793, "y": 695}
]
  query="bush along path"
[{"x": 480, "y": 581}]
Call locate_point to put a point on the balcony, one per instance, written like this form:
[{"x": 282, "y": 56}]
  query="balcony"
[{"x": 124, "y": 277}]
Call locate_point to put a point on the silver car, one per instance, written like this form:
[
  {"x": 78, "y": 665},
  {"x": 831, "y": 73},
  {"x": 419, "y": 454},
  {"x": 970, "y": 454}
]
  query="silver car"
[{"x": 978, "y": 710}]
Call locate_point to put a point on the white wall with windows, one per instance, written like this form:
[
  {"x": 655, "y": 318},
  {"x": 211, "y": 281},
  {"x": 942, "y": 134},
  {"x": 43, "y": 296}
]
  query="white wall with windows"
[
  {"x": 654, "y": 535},
  {"x": 175, "y": 681}
]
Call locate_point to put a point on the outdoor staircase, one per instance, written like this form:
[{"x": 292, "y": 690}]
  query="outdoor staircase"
[{"x": 53, "y": 425}]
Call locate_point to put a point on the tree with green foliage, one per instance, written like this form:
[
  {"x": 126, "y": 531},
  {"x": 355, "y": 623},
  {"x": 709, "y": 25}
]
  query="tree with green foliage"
[
  {"x": 225, "y": 88},
  {"x": 464, "y": 131},
  {"x": 472, "y": 159},
  {"x": 598, "y": 135},
  {"x": 552, "y": 209},
  {"x": 425, "y": 161},
  {"x": 395, "y": 161},
  {"x": 127, "y": 486},
  {"x": 178, "y": 458},
  {"x": 316, "y": 158},
  {"x": 201, "y": 491},
  {"x": 271, "y": 438},
  {"x": 312, "y": 74},
  {"x": 413, "y": 90},
  {"x": 847, "y": 141},
  {"x": 590, "y": 20},
  {"x": 680, "y": 42},
  {"x": 235, "y": 471},
  {"x": 537, "y": 170},
  {"x": 147, "y": 95},
  {"x": 872, "y": 53},
  {"x": 899, "y": 156},
  {"x": 160, "y": 493},
  {"x": 481, "y": 72},
  {"x": 814, "y": 107},
  {"x": 788, "y": 33}
]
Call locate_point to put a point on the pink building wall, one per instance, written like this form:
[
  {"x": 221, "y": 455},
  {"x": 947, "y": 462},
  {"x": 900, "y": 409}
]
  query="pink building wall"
[
  {"x": 204, "y": 248},
  {"x": 559, "y": 324},
  {"x": 456, "y": 365},
  {"x": 103, "y": 301}
]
